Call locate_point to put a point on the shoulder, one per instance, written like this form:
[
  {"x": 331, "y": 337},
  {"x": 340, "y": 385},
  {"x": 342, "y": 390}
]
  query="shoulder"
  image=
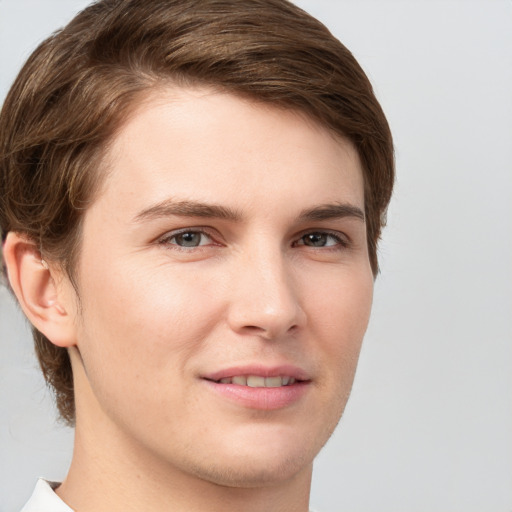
[{"x": 44, "y": 499}]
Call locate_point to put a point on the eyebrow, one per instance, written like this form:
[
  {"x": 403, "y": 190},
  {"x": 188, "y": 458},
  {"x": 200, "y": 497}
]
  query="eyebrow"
[
  {"x": 169, "y": 208},
  {"x": 332, "y": 211}
]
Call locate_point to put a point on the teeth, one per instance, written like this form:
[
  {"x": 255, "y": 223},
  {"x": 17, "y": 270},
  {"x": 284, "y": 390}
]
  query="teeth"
[
  {"x": 257, "y": 381},
  {"x": 273, "y": 382}
]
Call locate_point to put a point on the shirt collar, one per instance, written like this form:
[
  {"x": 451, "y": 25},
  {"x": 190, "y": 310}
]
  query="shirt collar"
[{"x": 44, "y": 499}]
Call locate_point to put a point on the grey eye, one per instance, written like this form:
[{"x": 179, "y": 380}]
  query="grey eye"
[
  {"x": 320, "y": 239},
  {"x": 316, "y": 239},
  {"x": 190, "y": 239}
]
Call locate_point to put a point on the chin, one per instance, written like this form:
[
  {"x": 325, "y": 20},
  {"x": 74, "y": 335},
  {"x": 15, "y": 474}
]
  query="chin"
[
  {"x": 245, "y": 472},
  {"x": 263, "y": 460}
]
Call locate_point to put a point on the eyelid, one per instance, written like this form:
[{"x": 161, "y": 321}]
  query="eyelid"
[
  {"x": 164, "y": 239},
  {"x": 343, "y": 239}
]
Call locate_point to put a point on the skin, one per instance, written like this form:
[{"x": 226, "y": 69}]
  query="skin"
[{"x": 155, "y": 317}]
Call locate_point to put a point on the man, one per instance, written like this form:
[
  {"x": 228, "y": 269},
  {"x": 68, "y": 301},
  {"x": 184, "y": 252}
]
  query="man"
[{"x": 191, "y": 198}]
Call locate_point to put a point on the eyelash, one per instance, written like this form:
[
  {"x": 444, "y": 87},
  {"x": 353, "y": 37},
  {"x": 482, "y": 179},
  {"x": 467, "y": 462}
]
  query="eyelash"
[
  {"x": 166, "y": 239},
  {"x": 342, "y": 242}
]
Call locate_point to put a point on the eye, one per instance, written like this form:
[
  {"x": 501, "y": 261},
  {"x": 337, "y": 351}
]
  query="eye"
[
  {"x": 187, "y": 239},
  {"x": 321, "y": 239}
]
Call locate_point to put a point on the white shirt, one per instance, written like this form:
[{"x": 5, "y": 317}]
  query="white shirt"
[{"x": 44, "y": 499}]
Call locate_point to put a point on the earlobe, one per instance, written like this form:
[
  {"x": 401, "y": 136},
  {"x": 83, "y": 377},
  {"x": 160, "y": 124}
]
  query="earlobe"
[{"x": 35, "y": 286}]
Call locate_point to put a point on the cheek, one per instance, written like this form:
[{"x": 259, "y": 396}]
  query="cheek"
[
  {"x": 138, "y": 337},
  {"x": 339, "y": 314},
  {"x": 165, "y": 307},
  {"x": 343, "y": 300},
  {"x": 141, "y": 328}
]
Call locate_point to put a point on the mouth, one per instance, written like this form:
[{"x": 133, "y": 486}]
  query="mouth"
[
  {"x": 258, "y": 381},
  {"x": 257, "y": 387}
]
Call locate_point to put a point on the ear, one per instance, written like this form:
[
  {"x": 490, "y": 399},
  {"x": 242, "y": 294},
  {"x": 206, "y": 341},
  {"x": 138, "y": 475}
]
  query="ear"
[{"x": 40, "y": 290}]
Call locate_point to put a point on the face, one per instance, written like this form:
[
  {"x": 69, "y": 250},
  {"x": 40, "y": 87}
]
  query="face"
[{"x": 225, "y": 287}]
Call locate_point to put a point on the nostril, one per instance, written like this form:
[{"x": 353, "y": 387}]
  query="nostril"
[
  {"x": 268, "y": 315},
  {"x": 268, "y": 333},
  {"x": 254, "y": 328}
]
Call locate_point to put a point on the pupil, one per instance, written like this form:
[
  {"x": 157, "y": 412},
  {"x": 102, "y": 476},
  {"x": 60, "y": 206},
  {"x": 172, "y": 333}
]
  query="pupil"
[
  {"x": 188, "y": 239},
  {"x": 315, "y": 239}
]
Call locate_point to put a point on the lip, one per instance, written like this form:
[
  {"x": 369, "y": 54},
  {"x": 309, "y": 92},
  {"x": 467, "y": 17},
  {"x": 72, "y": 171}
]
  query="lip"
[
  {"x": 266, "y": 399},
  {"x": 264, "y": 371}
]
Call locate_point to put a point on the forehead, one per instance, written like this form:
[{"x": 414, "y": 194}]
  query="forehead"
[{"x": 203, "y": 144}]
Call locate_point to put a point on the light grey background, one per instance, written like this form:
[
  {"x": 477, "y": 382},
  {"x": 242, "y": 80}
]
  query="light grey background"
[{"x": 429, "y": 423}]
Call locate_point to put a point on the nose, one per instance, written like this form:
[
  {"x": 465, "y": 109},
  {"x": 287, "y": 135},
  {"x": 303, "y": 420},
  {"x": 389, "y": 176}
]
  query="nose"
[{"x": 265, "y": 299}]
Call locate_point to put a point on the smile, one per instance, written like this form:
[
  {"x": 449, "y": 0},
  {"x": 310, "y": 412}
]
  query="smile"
[
  {"x": 258, "y": 381},
  {"x": 263, "y": 387}
]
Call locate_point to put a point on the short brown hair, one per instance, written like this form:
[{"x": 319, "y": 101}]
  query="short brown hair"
[{"x": 78, "y": 85}]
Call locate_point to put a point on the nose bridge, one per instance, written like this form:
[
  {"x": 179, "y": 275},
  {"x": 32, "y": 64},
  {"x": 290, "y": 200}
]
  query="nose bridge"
[{"x": 266, "y": 297}]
